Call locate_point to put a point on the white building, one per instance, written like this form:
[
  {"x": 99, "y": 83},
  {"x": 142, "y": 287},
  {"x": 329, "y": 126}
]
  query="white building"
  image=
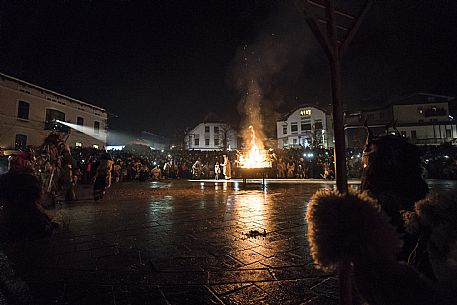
[
  {"x": 422, "y": 117},
  {"x": 28, "y": 113},
  {"x": 211, "y": 136},
  {"x": 305, "y": 126}
]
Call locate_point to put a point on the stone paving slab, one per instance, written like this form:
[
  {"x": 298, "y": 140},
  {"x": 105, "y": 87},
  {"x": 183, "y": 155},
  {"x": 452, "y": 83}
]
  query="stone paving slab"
[{"x": 178, "y": 243}]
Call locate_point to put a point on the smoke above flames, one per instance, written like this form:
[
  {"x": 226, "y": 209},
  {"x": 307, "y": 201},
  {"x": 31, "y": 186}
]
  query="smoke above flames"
[{"x": 263, "y": 70}]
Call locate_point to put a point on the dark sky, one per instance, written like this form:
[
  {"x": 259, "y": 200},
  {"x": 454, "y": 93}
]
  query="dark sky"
[{"x": 163, "y": 65}]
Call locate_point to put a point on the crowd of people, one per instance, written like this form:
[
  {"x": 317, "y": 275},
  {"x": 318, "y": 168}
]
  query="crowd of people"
[
  {"x": 141, "y": 163},
  {"x": 438, "y": 162},
  {"x": 414, "y": 245}
]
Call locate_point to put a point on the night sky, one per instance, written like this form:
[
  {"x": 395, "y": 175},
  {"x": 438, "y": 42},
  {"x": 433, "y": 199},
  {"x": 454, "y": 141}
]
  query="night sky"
[{"x": 162, "y": 66}]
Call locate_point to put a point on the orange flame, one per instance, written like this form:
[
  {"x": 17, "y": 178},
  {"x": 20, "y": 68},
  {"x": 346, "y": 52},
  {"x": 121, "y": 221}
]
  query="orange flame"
[{"x": 254, "y": 157}]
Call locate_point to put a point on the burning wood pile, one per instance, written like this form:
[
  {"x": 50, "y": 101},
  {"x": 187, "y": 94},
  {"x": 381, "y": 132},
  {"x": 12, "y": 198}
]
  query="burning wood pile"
[
  {"x": 255, "y": 156},
  {"x": 255, "y": 161}
]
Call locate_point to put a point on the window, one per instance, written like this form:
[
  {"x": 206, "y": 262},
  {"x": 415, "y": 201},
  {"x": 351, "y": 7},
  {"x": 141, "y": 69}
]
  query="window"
[
  {"x": 403, "y": 134},
  {"x": 413, "y": 135},
  {"x": 97, "y": 127},
  {"x": 448, "y": 133},
  {"x": 78, "y": 144},
  {"x": 196, "y": 141},
  {"x": 80, "y": 121},
  {"x": 206, "y": 128},
  {"x": 318, "y": 125},
  {"x": 305, "y": 112},
  {"x": 95, "y": 146},
  {"x": 21, "y": 142},
  {"x": 216, "y": 142},
  {"x": 52, "y": 116},
  {"x": 23, "y": 110},
  {"x": 294, "y": 141},
  {"x": 284, "y": 129},
  {"x": 216, "y": 129},
  {"x": 206, "y": 142},
  {"x": 294, "y": 127},
  {"x": 305, "y": 126}
]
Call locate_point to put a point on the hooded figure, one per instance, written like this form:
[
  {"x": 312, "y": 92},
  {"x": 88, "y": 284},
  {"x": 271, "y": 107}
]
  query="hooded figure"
[{"x": 402, "y": 244}]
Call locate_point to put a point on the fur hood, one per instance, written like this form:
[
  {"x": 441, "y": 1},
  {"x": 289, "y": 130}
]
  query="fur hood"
[
  {"x": 352, "y": 228},
  {"x": 348, "y": 228},
  {"x": 438, "y": 214}
]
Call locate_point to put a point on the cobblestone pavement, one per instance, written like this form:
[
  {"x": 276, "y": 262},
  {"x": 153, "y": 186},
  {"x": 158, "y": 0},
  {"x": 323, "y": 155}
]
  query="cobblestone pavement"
[{"x": 178, "y": 242}]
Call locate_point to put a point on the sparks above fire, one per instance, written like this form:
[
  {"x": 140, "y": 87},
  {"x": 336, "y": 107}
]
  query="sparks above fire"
[{"x": 255, "y": 156}]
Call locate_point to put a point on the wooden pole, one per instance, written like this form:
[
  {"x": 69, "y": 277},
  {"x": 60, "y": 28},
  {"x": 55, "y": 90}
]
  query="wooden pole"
[
  {"x": 338, "y": 118},
  {"x": 334, "y": 51}
]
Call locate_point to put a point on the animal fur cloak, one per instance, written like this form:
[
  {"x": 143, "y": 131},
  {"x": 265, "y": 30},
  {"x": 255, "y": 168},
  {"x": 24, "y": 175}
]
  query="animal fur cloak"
[{"x": 354, "y": 229}]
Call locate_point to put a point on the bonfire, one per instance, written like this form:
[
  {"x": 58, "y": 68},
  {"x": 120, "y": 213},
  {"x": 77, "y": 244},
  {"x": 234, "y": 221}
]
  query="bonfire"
[{"x": 255, "y": 156}]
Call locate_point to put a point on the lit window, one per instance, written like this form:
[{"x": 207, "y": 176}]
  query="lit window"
[
  {"x": 305, "y": 112},
  {"x": 78, "y": 144},
  {"x": 95, "y": 146},
  {"x": 23, "y": 110}
]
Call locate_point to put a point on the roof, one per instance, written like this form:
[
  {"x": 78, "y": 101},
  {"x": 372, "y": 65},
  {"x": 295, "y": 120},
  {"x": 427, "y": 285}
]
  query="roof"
[
  {"x": 410, "y": 99},
  {"x": 285, "y": 116},
  {"x": 420, "y": 98},
  {"x": 52, "y": 92}
]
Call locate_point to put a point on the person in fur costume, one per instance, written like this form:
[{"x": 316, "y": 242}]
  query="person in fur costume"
[
  {"x": 353, "y": 228},
  {"x": 394, "y": 236},
  {"x": 20, "y": 194},
  {"x": 392, "y": 174},
  {"x": 102, "y": 178}
]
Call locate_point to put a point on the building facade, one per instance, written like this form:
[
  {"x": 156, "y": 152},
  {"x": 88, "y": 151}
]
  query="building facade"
[
  {"x": 305, "y": 126},
  {"x": 29, "y": 113},
  {"x": 212, "y": 136},
  {"x": 422, "y": 117}
]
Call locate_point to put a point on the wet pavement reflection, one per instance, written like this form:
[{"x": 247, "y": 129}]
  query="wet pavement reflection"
[{"x": 181, "y": 242}]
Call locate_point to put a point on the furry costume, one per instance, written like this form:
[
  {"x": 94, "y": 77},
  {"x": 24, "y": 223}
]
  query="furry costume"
[
  {"x": 354, "y": 229},
  {"x": 102, "y": 178}
]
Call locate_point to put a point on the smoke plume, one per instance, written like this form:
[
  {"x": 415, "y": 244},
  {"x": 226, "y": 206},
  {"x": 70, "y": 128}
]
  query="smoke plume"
[{"x": 264, "y": 69}]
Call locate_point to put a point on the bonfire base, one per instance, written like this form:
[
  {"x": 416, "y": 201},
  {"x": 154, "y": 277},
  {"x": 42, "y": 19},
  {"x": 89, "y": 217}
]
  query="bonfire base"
[{"x": 255, "y": 173}]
